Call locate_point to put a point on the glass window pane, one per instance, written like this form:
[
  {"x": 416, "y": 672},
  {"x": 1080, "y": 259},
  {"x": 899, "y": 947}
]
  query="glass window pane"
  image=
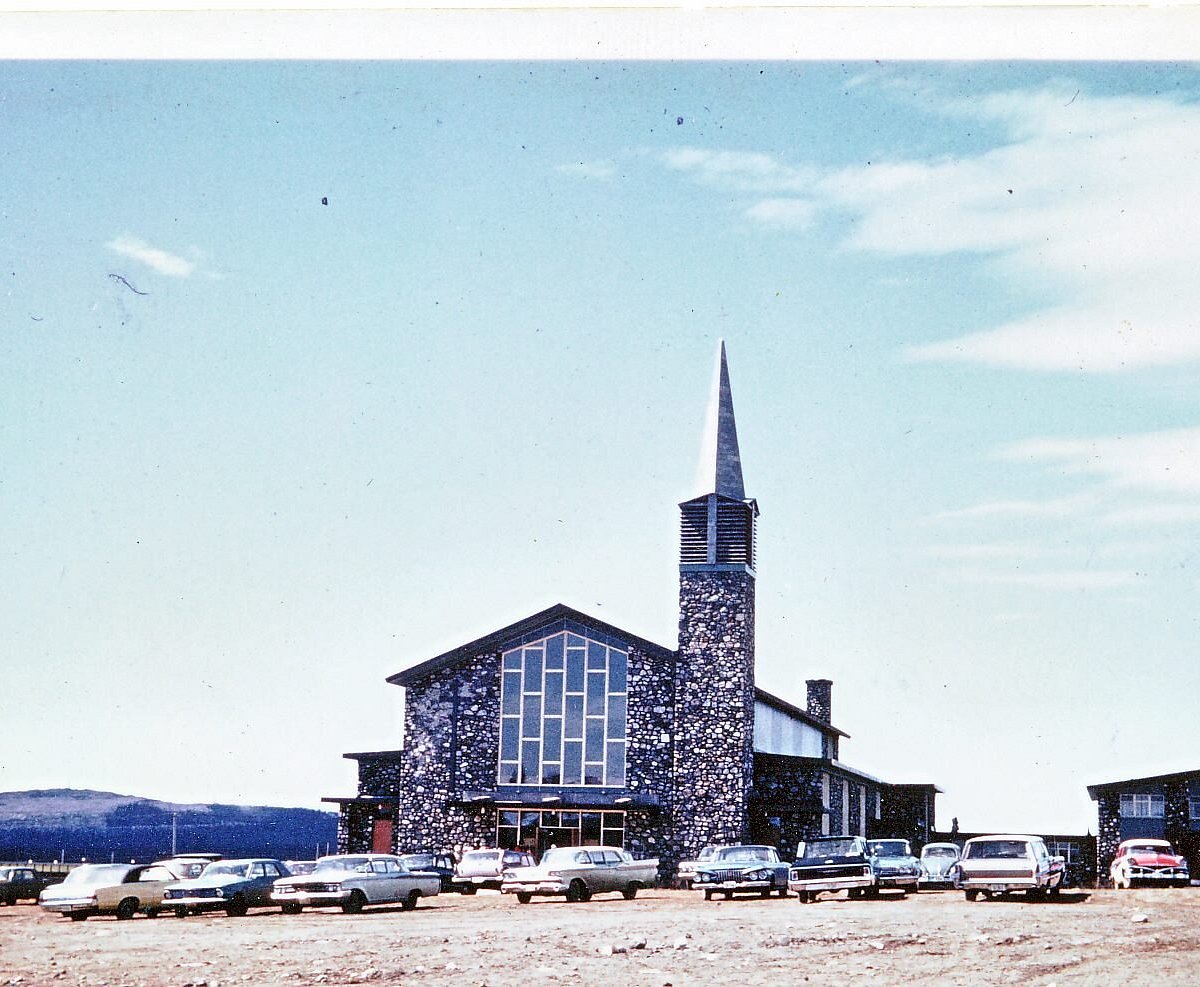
[
  {"x": 590, "y": 828},
  {"x": 550, "y": 819},
  {"x": 597, "y": 653},
  {"x": 551, "y": 773},
  {"x": 554, "y": 651},
  {"x": 616, "y": 765},
  {"x": 595, "y": 694},
  {"x": 530, "y": 751},
  {"x": 595, "y": 740},
  {"x": 552, "y": 738},
  {"x": 512, "y": 692},
  {"x": 570, "y": 820},
  {"x": 507, "y": 837},
  {"x": 574, "y": 641},
  {"x": 593, "y": 774},
  {"x": 529, "y": 821},
  {"x": 616, "y": 717},
  {"x": 508, "y": 818},
  {"x": 510, "y": 730},
  {"x": 533, "y": 669},
  {"x": 572, "y": 763},
  {"x": 617, "y": 663},
  {"x": 554, "y": 692},
  {"x": 508, "y": 773},
  {"x": 574, "y": 718},
  {"x": 531, "y": 717},
  {"x": 512, "y": 660},
  {"x": 574, "y": 670}
]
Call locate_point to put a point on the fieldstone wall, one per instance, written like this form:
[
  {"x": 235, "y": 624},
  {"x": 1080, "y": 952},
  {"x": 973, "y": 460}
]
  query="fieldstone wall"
[
  {"x": 650, "y": 752},
  {"x": 714, "y": 709},
  {"x": 451, "y": 740},
  {"x": 355, "y": 826},
  {"x": 1108, "y": 833},
  {"x": 789, "y": 792},
  {"x": 1176, "y": 823},
  {"x": 379, "y": 775}
]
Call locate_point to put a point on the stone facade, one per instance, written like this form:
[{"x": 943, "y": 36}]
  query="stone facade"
[
  {"x": 1164, "y": 812},
  {"x": 714, "y": 709}
]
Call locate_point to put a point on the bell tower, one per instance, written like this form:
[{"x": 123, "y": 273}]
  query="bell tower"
[{"x": 714, "y": 687}]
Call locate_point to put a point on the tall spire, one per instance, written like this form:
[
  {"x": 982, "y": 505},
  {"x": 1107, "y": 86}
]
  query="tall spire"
[{"x": 720, "y": 469}]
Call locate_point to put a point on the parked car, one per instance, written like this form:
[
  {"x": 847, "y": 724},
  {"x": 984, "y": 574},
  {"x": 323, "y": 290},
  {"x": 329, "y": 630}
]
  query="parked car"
[
  {"x": 1150, "y": 863},
  {"x": 937, "y": 865},
  {"x": 232, "y": 886},
  {"x": 1000, "y": 864},
  {"x": 685, "y": 873},
  {"x": 20, "y": 883},
  {"x": 122, "y": 890},
  {"x": 485, "y": 868},
  {"x": 734, "y": 870},
  {"x": 831, "y": 863},
  {"x": 354, "y": 881},
  {"x": 441, "y": 864},
  {"x": 894, "y": 865},
  {"x": 577, "y": 873}
]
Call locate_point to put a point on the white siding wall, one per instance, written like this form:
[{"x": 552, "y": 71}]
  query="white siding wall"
[{"x": 777, "y": 733}]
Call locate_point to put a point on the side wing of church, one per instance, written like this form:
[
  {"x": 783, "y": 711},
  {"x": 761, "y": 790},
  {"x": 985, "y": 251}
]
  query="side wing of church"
[{"x": 561, "y": 729}]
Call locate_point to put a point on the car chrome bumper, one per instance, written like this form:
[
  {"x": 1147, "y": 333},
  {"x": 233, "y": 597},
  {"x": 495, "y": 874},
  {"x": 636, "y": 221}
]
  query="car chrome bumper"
[
  {"x": 534, "y": 887},
  {"x": 312, "y": 899},
  {"x": 896, "y": 880},
  {"x": 733, "y": 885},
  {"x": 831, "y": 883},
  {"x": 70, "y": 905}
]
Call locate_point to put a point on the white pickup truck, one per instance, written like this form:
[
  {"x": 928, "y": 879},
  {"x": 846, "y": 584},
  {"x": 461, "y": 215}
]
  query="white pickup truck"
[
  {"x": 999, "y": 864},
  {"x": 577, "y": 873}
]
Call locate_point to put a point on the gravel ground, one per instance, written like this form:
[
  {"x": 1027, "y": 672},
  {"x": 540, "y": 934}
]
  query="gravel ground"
[{"x": 661, "y": 938}]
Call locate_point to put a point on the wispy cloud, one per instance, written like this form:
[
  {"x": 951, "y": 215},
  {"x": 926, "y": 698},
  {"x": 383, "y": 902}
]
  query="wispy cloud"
[
  {"x": 1164, "y": 462},
  {"x": 1055, "y": 507},
  {"x": 158, "y": 260},
  {"x": 601, "y": 170},
  {"x": 1093, "y": 199}
]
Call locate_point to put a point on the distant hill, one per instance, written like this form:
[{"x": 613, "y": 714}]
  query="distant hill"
[{"x": 101, "y": 826}]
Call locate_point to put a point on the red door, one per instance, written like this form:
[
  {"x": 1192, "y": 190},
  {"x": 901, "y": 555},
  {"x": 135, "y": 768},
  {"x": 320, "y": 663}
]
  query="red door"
[{"x": 381, "y": 836}]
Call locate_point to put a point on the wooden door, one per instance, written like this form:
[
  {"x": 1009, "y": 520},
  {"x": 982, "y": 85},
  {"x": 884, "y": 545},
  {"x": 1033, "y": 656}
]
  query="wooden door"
[{"x": 381, "y": 836}]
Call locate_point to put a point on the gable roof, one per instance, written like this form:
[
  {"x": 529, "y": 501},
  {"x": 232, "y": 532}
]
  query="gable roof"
[
  {"x": 559, "y": 614},
  {"x": 796, "y": 713}
]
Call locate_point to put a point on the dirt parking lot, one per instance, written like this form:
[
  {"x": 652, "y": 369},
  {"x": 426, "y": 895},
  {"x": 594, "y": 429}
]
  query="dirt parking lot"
[{"x": 661, "y": 938}]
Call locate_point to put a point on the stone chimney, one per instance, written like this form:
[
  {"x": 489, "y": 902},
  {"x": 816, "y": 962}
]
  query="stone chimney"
[{"x": 820, "y": 700}]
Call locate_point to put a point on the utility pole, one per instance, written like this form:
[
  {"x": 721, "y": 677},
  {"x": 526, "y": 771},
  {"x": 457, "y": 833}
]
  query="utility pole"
[{"x": 174, "y": 849}]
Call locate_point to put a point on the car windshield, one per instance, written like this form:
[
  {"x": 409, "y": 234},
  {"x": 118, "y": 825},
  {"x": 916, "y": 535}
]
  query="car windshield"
[
  {"x": 564, "y": 857},
  {"x": 707, "y": 853},
  {"x": 939, "y": 851},
  {"x": 341, "y": 864},
  {"x": 829, "y": 848},
  {"x": 234, "y": 868},
  {"x": 97, "y": 874},
  {"x": 415, "y": 861},
  {"x": 481, "y": 856},
  {"x": 889, "y": 848},
  {"x": 5, "y": 873},
  {"x": 996, "y": 850},
  {"x": 744, "y": 855},
  {"x": 1150, "y": 848}
]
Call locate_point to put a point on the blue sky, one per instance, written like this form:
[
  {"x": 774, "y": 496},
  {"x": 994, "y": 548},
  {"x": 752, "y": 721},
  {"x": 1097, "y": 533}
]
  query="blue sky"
[{"x": 258, "y": 451}]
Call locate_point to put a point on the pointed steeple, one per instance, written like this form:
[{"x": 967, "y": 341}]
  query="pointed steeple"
[{"x": 720, "y": 470}]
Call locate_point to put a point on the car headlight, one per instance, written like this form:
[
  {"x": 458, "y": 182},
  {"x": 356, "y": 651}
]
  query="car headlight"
[
  {"x": 704, "y": 876},
  {"x": 759, "y": 875},
  {"x": 219, "y": 893}
]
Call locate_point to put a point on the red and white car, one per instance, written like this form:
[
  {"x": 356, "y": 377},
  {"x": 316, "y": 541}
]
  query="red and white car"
[{"x": 1151, "y": 863}]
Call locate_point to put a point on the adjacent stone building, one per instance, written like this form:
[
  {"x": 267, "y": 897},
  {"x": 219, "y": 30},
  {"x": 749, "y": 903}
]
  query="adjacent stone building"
[
  {"x": 1164, "y": 807},
  {"x": 562, "y": 729}
]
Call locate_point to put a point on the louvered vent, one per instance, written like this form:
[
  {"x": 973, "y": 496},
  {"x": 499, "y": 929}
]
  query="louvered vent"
[
  {"x": 735, "y": 533},
  {"x": 693, "y": 533}
]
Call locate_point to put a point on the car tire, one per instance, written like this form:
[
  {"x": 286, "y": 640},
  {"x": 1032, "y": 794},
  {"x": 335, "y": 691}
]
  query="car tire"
[
  {"x": 152, "y": 913},
  {"x": 708, "y": 896},
  {"x": 469, "y": 889},
  {"x": 783, "y": 892},
  {"x": 410, "y": 900},
  {"x": 630, "y": 892},
  {"x": 127, "y": 909},
  {"x": 355, "y": 904},
  {"x": 524, "y": 897},
  {"x": 803, "y": 897},
  {"x": 575, "y": 891},
  {"x": 291, "y": 908},
  {"x": 236, "y": 907},
  {"x": 181, "y": 912},
  {"x": 79, "y": 916},
  {"x": 971, "y": 895}
]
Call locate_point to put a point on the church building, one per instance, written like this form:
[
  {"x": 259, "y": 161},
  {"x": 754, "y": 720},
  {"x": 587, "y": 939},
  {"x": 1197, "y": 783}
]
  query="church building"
[{"x": 562, "y": 729}]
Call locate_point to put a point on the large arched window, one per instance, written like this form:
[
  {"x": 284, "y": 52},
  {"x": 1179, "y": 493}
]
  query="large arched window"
[{"x": 562, "y": 712}]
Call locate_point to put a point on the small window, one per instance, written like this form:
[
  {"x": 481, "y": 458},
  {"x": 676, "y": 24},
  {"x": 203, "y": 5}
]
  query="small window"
[
  {"x": 1194, "y": 808},
  {"x": 271, "y": 870},
  {"x": 257, "y": 870},
  {"x": 1143, "y": 806},
  {"x": 381, "y": 866}
]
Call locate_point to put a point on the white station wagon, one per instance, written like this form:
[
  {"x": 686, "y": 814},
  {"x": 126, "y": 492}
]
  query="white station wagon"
[
  {"x": 1000, "y": 864},
  {"x": 353, "y": 881}
]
